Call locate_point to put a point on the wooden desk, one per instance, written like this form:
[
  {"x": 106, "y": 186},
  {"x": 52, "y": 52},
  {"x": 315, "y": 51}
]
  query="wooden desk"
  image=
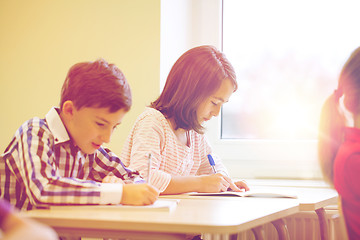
[
  {"x": 312, "y": 196},
  {"x": 316, "y": 199},
  {"x": 192, "y": 216},
  {"x": 309, "y": 199}
]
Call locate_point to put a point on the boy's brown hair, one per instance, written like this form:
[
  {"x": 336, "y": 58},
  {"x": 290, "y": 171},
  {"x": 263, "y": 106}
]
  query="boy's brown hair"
[
  {"x": 196, "y": 75},
  {"x": 96, "y": 84}
]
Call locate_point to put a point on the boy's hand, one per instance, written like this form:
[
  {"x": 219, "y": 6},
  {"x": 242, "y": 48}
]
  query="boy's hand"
[
  {"x": 112, "y": 179},
  {"x": 139, "y": 194}
]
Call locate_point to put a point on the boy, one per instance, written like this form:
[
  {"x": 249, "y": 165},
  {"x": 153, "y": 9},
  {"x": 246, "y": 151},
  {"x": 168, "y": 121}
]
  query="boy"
[{"x": 59, "y": 160}]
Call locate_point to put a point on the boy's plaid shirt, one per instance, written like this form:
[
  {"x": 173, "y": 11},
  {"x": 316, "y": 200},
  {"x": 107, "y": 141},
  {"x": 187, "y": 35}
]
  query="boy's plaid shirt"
[{"x": 41, "y": 166}]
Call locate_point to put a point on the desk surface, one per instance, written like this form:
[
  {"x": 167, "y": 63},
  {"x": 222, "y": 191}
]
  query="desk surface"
[
  {"x": 192, "y": 216},
  {"x": 309, "y": 198},
  {"x": 313, "y": 194},
  {"x": 288, "y": 183}
]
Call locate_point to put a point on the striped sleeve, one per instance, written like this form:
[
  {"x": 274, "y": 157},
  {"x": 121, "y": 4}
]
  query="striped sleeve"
[
  {"x": 106, "y": 162},
  {"x": 147, "y": 136}
]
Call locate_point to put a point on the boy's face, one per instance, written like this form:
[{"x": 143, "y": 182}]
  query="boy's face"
[{"x": 90, "y": 127}]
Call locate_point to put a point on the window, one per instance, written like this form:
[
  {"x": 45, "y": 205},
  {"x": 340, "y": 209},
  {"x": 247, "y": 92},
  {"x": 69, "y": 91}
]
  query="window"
[{"x": 287, "y": 56}]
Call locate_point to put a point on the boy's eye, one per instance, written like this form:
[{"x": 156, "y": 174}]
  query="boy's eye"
[{"x": 214, "y": 103}]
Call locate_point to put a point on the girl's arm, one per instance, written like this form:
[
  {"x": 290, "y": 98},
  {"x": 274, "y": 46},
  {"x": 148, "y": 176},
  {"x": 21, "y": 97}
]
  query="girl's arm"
[{"x": 205, "y": 183}]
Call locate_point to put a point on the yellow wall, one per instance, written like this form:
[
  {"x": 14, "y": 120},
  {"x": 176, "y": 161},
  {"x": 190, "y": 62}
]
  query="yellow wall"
[{"x": 41, "y": 39}]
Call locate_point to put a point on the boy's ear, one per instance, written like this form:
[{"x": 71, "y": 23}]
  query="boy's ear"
[{"x": 68, "y": 109}]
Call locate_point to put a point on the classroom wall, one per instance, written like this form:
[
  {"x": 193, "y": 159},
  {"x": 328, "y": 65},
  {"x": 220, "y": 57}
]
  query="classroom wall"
[{"x": 41, "y": 39}]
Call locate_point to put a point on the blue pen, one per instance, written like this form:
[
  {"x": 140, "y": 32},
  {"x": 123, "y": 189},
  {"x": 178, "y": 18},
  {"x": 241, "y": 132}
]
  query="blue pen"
[{"x": 211, "y": 161}]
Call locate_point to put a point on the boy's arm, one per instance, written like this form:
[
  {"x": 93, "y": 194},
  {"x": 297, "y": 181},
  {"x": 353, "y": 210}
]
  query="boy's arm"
[
  {"x": 107, "y": 163},
  {"x": 32, "y": 162}
]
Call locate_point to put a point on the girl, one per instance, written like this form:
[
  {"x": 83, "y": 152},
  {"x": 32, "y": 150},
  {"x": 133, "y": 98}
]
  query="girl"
[
  {"x": 171, "y": 130},
  {"x": 339, "y": 142}
]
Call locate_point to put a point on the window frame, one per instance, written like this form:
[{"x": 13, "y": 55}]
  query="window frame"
[
  {"x": 263, "y": 158},
  {"x": 258, "y": 158}
]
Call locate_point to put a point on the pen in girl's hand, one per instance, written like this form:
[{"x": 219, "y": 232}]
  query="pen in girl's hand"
[
  {"x": 149, "y": 168},
  {"x": 212, "y": 162}
]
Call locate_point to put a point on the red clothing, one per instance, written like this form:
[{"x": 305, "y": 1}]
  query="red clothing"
[{"x": 347, "y": 180}]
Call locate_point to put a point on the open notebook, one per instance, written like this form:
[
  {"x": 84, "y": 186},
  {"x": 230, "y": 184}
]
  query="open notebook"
[
  {"x": 167, "y": 205},
  {"x": 263, "y": 193}
]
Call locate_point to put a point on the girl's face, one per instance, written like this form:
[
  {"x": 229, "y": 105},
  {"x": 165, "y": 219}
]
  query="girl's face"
[{"x": 211, "y": 106}]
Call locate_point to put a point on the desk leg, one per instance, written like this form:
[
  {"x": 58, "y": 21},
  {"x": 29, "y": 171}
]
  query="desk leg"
[
  {"x": 233, "y": 236},
  {"x": 324, "y": 228},
  {"x": 259, "y": 233},
  {"x": 281, "y": 229}
]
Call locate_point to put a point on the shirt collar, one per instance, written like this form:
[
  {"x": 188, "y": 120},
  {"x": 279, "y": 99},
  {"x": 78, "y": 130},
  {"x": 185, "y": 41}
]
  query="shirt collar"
[{"x": 56, "y": 126}]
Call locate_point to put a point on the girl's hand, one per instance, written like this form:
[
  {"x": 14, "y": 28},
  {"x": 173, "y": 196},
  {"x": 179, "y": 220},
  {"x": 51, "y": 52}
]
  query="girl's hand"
[
  {"x": 217, "y": 183},
  {"x": 139, "y": 194},
  {"x": 242, "y": 185}
]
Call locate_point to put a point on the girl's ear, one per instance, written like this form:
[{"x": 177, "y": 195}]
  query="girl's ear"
[{"x": 68, "y": 109}]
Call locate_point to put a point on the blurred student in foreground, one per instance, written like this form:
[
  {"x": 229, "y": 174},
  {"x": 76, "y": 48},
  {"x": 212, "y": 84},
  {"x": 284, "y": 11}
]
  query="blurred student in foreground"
[
  {"x": 15, "y": 227},
  {"x": 339, "y": 142}
]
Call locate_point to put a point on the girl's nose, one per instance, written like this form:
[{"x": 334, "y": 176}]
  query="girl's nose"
[{"x": 216, "y": 111}]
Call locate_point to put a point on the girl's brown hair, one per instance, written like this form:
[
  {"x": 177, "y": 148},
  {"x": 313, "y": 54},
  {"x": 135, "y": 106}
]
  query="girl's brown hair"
[{"x": 196, "y": 75}]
